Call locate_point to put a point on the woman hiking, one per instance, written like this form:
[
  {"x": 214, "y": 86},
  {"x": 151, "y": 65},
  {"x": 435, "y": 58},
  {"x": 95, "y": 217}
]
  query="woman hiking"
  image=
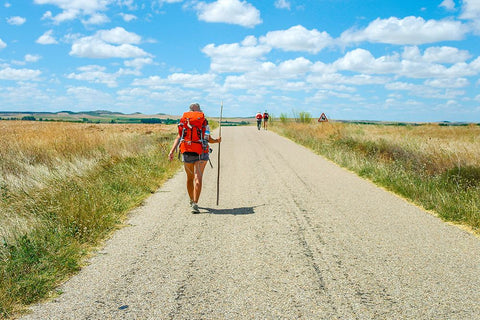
[{"x": 193, "y": 138}]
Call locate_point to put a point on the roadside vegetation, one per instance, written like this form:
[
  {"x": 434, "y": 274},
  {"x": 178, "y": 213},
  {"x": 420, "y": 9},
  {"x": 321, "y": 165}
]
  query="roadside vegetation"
[
  {"x": 436, "y": 167},
  {"x": 64, "y": 187}
]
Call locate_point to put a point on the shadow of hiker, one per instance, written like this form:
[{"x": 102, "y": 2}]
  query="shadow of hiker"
[{"x": 233, "y": 211}]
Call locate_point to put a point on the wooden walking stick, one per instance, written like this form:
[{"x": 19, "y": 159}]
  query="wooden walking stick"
[{"x": 218, "y": 165}]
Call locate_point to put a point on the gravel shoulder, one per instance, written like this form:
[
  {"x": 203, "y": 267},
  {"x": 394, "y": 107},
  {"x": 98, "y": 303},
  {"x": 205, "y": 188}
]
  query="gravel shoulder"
[{"x": 294, "y": 236}]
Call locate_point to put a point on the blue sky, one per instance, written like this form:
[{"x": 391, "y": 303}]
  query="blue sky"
[{"x": 357, "y": 60}]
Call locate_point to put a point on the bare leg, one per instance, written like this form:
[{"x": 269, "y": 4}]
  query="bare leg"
[
  {"x": 199, "y": 168},
  {"x": 190, "y": 169}
]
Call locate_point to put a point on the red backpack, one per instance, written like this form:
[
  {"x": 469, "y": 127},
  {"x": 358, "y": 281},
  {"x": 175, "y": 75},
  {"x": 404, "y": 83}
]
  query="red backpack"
[{"x": 192, "y": 128}]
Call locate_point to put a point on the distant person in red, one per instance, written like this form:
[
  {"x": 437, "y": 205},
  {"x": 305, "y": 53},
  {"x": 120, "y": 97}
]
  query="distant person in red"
[
  {"x": 259, "y": 120},
  {"x": 265, "y": 119}
]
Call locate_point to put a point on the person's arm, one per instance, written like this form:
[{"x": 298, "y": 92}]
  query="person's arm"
[
  {"x": 211, "y": 140},
  {"x": 175, "y": 145}
]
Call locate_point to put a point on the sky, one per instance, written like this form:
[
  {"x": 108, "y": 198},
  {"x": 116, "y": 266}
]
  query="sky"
[{"x": 386, "y": 60}]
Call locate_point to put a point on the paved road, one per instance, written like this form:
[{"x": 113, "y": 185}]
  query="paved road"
[{"x": 294, "y": 237}]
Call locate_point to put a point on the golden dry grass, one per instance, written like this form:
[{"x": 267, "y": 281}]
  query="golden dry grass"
[
  {"x": 437, "y": 167},
  {"x": 33, "y": 154}
]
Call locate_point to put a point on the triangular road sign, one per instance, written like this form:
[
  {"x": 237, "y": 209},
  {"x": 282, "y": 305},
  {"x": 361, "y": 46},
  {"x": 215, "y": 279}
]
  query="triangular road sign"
[{"x": 323, "y": 118}]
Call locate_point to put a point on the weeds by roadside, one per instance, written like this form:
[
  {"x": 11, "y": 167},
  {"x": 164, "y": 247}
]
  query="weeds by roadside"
[
  {"x": 436, "y": 167},
  {"x": 50, "y": 223}
]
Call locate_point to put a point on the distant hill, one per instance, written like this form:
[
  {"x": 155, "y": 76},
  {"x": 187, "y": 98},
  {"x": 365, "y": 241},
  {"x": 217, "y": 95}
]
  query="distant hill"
[{"x": 96, "y": 116}]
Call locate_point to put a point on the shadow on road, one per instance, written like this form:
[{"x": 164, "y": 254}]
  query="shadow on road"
[{"x": 233, "y": 211}]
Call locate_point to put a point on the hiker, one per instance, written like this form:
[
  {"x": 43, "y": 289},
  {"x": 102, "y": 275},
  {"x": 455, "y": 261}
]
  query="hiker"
[
  {"x": 193, "y": 138},
  {"x": 265, "y": 119},
  {"x": 259, "y": 120}
]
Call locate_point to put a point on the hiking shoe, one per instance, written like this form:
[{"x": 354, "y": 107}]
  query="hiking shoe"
[{"x": 195, "y": 208}]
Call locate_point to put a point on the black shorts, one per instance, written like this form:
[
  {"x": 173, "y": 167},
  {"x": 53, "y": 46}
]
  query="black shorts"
[{"x": 192, "y": 157}]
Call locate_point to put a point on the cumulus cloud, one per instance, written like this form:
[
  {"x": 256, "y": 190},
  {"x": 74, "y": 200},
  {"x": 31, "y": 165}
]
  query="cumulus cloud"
[
  {"x": 408, "y": 31},
  {"x": 46, "y": 38},
  {"x": 446, "y": 55},
  {"x": 448, "y": 83},
  {"x": 96, "y": 19},
  {"x": 411, "y": 64},
  {"x": 16, "y": 21},
  {"x": 295, "y": 67},
  {"x": 118, "y": 35},
  {"x": 75, "y": 9},
  {"x": 470, "y": 9},
  {"x": 32, "y": 57},
  {"x": 138, "y": 63},
  {"x": 229, "y": 11},
  {"x": 114, "y": 43},
  {"x": 361, "y": 60},
  {"x": 2, "y": 44},
  {"x": 128, "y": 17},
  {"x": 94, "y": 74},
  {"x": 297, "y": 38},
  {"x": 19, "y": 74},
  {"x": 282, "y": 4},
  {"x": 235, "y": 57},
  {"x": 448, "y": 4},
  {"x": 436, "y": 54}
]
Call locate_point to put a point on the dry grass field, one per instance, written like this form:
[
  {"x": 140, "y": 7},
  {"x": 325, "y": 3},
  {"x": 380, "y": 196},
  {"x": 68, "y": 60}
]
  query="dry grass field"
[
  {"x": 437, "y": 167},
  {"x": 63, "y": 188}
]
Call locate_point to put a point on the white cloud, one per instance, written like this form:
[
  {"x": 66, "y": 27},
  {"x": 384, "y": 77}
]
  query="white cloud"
[
  {"x": 229, "y": 11},
  {"x": 470, "y": 9},
  {"x": 96, "y": 19},
  {"x": 296, "y": 67},
  {"x": 234, "y": 57},
  {"x": 446, "y": 55},
  {"x": 128, "y": 17},
  {"x": 138, "y": 63},
  {"x": 297, "y": 38},
  {"x": 32, "y": 57},
  {"x": 7, "y": 5},
  {"x": 413, "y": 65},
  {"x": 2, "y": 44},
  {"x": 436, "y": 54},
  {"x": 47, "y": 38},
  {"x": 75, "y": 8},
  {"x": 448, "y": 83},
  {"x": 114, "y": 43},
  {"x": 94, "y": 74},
  {"x": 282, "y": 4},
  {"x": 153, "y": 82},
  {"x": 361, "y": 60},
  {"x": 408, "y": 31},
  {"x": 118, "y": 35},
  {"x": 16, "y": 21},
  {"x": 19, "y": 74},
  {"x": 448, "y": 4}
]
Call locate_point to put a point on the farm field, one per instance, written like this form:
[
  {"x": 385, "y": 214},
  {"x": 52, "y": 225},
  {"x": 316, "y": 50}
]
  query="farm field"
[
  {"x": 432, "y": 165},
  {"x": 64, "y": 187}
]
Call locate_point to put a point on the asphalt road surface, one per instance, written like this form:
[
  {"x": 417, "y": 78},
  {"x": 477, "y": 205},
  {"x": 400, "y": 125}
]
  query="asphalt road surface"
[{"x": 294, "y": 237}]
